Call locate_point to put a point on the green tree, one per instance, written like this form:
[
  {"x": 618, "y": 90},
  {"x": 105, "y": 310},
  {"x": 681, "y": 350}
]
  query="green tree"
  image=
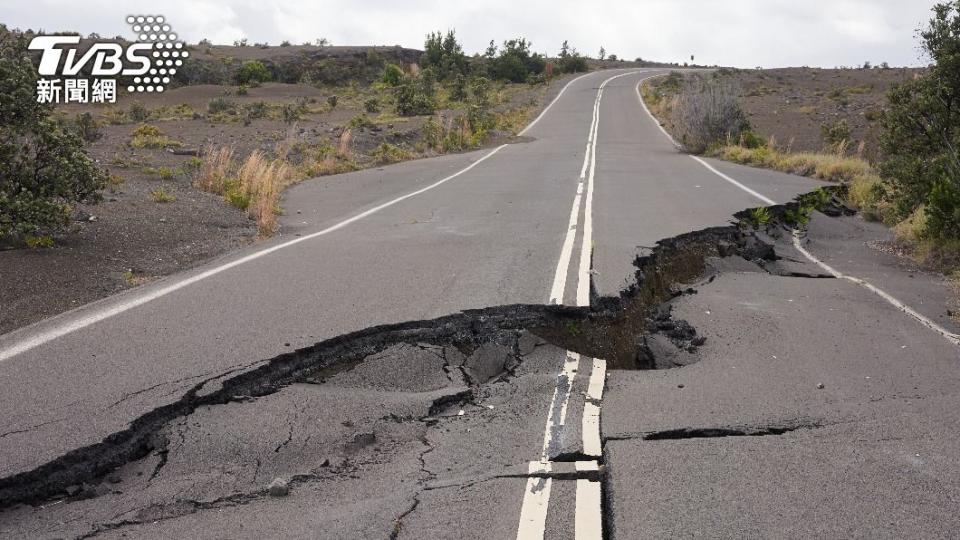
[
  {"x": 478, "y": 109},
  {"x": 445, "y": 55},
  {"x": 458, "y": 89},
  {"x": 570, "y": 60},
  {"x": 253, "y": 71},
  {"x": 515, "y": 62},
  {"x": 43, "y": 167},
  {"x": 922, "y": 130},
  {"x": 416, "y": 96}
]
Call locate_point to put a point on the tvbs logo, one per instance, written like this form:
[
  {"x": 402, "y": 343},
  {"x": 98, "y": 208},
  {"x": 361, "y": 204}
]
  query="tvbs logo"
[{"x": 151, "y": 61}]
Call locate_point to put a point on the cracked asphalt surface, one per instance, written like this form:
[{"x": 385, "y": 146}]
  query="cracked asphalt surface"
[{"x": 812, "y": 407}]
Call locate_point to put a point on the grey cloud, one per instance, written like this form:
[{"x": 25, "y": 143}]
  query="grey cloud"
[{"x": 743, "y": 33}]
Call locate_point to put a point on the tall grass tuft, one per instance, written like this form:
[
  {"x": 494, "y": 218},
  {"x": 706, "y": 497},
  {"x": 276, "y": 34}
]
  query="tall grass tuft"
[{"x": 253, "y": 185}]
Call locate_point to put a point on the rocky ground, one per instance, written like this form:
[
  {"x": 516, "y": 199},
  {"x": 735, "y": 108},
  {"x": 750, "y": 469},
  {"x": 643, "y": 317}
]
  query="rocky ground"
[{"x": 791, "y": 104}]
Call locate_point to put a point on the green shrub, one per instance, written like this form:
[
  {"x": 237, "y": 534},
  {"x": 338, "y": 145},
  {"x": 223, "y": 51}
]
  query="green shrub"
[
  {"x": 35, "y": 242},
  {"x": 332, "y": 102},
  {"x": 220, "y": 105},
  {"x": 137, "y": 112},
  {"x": 458, "y": 90},
  {"x": 147, "y": 136},
  {"x": 478, "y": 109},
  {"x": 749, "y": 139},
  {"x": 921, "y": 139},
  {"x": 87, "y": 127},
  {"x": 164, "y": 173},
  {"x": 43, "y": 168},
  {"x": 253, "y": 71},
  {"x": 836, "y": 134},
  {"x": 372, "y": 105},
  {"x": 257, "y": 109},
  {"x": 161, "y": 195},
  {"x": 360, "y": 121},
  {"x": 416, "y": 96},
  {"x": 515, "y": 62},
  {"x": 392, "y": 75},
  {"x": 389, "y": 153},
  {"x": 570, "y": 60}
]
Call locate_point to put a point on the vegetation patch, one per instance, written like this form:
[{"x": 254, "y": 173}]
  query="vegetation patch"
[{"x": 148, "y": 136}]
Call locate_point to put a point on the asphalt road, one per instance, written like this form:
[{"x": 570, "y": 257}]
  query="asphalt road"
[{"x": 370, "y": 452}]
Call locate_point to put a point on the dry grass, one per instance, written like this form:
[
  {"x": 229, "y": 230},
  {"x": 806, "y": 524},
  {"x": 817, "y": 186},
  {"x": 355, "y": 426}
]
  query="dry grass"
[
  {"x": 253, "y": 185},
  {"x": 161, "y": 195},
  {"x": 215, "y": 168},
  {"x": 830, "y": 167}
]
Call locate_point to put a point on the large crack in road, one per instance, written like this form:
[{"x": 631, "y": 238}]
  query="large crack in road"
[{"x": 424, "y": 373}]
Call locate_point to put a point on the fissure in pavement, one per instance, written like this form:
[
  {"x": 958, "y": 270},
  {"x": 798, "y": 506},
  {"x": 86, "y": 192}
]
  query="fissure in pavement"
[{"x": 631, "y": 331}]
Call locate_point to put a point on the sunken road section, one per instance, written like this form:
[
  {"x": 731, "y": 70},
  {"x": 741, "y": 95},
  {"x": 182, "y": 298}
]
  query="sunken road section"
[{"x": 632, "y": 331}]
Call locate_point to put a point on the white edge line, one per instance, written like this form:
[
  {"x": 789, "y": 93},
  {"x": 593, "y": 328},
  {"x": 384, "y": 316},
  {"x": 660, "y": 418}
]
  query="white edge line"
[
  {"x": 652, "y": 117},
  {"x": 922, "y": 319},
  {"x": 550, "y": 105},
  {"x": 20, "y": 347},
  {"x": 82, "y": 322},
  {"x": 949, "y": 336},
  {"x": 762, "y": 198}
]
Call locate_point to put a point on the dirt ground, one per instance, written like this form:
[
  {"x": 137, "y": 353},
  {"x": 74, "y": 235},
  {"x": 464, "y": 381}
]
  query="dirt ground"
[
  {"x": 791, "y": 104},
  {"x": 132, "y": 237}
]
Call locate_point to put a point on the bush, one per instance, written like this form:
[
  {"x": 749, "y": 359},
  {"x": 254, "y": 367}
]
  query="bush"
[
  {"x": 389, "y": 153},
  {"x": 835, "y": 135},
  {"x": 253, "y": 71},
  {"x": 478, "y": 110},
  {"x": 257, "y": 109},
  {"x": 87, "y": 127},
  {"x": 416, "y": 96},
  {"x": 392, "y": 75},
  {"x": 161, "y": 196},
  {"x": 515, "y": 62},
  {"x": 372, "y": 105},
  {"x": 458, "y": 90},
  {"x": 707, "y": 111},
  {"x": 137, "y": 112},
  {"x": 921, "y": 139},
  {"x": 332, "y": 102},
  {"x": 220, "y": 104},
  {"x": 291, "y": 112},
  {"x": 360, "y": 121},
  {"x": 43, "y": 168},
  {"x": 147, "y": 136}
]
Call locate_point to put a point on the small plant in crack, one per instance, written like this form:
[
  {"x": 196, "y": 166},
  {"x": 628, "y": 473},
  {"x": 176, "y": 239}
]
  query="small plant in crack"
[{"x": 759, "y": 217}]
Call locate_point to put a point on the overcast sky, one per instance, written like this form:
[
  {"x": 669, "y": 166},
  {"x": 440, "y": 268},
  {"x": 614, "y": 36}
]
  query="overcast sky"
[{"x": 743, "y": 33}]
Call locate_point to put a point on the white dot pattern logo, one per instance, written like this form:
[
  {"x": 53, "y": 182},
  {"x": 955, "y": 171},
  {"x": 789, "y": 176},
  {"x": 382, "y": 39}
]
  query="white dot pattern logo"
[{"x": 167, "y": 51}]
